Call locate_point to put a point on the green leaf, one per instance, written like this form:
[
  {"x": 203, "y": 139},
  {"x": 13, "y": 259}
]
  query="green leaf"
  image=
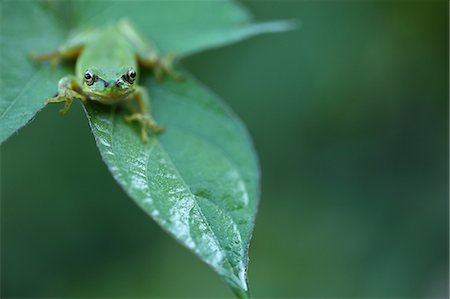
[{"x": 198, "y": 180}]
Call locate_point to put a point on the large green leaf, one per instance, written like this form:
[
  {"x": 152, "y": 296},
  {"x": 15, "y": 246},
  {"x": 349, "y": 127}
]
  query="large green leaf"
[{"x": 199, "y": 180}]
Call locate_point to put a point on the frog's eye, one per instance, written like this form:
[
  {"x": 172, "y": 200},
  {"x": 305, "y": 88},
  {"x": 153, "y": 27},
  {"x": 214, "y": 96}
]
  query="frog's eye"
[
  {"x": 89, "y": 78},
  {"x": 131, "y": 76}
]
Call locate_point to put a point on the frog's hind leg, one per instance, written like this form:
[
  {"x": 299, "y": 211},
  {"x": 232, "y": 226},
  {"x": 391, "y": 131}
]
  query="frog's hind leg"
[
  {"x": 147, "y": 53},
  {"x": 68, "y": 90},
  {"x": 69, "y": 50},
  {"x": 143, "y": 116},
  {"x": 56, "y": 56}
]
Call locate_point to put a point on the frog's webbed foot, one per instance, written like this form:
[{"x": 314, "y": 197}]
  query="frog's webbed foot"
[
  {"x": 68, "y": 90},
  {"x": 161, "y": 66},
  {"x": 165, "y": 66},
  {"x": 147, "y": 122},
  {"x": 58, "y": 99},
  {"x": 143, "y": 116}
]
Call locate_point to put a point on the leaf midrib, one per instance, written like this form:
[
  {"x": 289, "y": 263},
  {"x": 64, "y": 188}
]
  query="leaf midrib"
[
  {"x": 112, "y": 126},
  {"x": 200, "y": 209}
]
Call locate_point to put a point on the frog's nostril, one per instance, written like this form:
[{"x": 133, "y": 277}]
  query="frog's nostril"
[{"x": 105, "y": 83}]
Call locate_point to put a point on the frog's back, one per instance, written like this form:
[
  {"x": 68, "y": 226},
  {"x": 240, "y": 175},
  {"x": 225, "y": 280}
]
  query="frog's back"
[{"x": 109, "y": 49}]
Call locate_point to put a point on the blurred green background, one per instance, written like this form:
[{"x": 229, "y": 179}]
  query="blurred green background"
[{"x": 349, "y": 115}]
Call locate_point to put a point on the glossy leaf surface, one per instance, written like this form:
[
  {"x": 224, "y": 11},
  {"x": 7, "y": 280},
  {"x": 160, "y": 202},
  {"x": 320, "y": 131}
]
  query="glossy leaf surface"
[{"x": 198, "y": 180}]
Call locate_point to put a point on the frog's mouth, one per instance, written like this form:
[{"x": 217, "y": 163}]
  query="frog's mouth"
[{"x": 108, "y": 95}]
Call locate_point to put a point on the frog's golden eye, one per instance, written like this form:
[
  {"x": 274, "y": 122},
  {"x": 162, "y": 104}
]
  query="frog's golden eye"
[
  {"x": 131, "y": 76},
  {"x": 89, "y": 78}
]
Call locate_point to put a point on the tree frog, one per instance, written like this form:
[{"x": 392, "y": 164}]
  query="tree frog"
[{"x": 107, "y": 70}]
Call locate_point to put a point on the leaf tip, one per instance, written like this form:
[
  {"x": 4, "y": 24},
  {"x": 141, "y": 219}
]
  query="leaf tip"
[{"x": 242, "y": 294}]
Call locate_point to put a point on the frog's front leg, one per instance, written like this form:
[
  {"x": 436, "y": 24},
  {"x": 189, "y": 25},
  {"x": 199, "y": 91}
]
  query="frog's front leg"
[
  {"x": 68, "y": 90},
  {"x": 147, "y": 53},
  {"x": 144, "y": 116}
]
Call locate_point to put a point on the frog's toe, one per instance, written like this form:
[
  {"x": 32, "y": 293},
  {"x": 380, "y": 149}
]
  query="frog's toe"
[
  {"x": 146, "y": 122},
  {"x": 157, "y": 129},
  {"x": 130, "y": 118},
  {"x": 144, "y": 135}
]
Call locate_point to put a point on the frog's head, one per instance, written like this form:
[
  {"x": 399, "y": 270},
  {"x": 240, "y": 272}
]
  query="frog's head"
[{"x": 109, "y": 83}]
